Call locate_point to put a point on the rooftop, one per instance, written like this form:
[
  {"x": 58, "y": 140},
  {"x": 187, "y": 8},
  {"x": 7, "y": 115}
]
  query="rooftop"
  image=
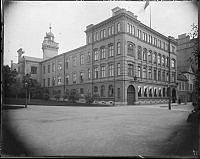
[
  {"x": 29, "y": 58},
  {"x": 181, "y": 77}
]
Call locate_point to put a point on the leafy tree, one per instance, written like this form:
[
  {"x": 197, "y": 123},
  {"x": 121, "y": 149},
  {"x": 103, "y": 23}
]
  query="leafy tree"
[
  {"x": 16, "y": 89},
  {"x": 9, "y": 78},
  {"x": 45, "y": 93},
  {"x": 66, "y": 94},
  {"x": 73, "y": 96},
  {"x": 195, "y": 60},
  {"x": 36, "y": 90},
  {"x": 89, "y": 99}
]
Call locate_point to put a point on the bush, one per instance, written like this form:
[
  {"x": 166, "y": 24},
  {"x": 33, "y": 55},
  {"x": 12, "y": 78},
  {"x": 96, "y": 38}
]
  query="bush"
[
  {"x": 73, "y": 96},
  {"x": 89, "y": 99},
  {"x": 46, "y": 96},
  {"x": 57, "y": 96}
]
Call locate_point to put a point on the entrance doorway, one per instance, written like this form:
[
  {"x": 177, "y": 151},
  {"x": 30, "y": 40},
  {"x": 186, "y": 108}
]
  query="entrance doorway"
[{"x": 131, "y": 95}]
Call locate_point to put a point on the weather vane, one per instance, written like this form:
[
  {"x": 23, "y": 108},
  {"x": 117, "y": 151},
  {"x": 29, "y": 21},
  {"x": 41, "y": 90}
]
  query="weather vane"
[{"x": 50, "y": 27}]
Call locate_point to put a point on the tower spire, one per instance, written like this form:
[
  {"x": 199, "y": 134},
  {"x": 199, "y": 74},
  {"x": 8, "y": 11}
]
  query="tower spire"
[{"x": 50, "y": 27}]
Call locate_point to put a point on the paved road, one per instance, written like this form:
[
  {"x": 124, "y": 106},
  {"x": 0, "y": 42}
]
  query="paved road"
[{"x": 100, "y": 131}]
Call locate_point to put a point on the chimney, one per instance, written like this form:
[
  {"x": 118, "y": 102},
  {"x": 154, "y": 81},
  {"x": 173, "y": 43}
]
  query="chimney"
[{"x": 114, "y": 10}]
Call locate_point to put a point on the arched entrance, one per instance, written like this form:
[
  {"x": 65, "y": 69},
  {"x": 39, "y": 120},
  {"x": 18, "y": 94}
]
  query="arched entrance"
[
  {"x": 130, "y": 95},
  {"x": 173, "y": 95}
]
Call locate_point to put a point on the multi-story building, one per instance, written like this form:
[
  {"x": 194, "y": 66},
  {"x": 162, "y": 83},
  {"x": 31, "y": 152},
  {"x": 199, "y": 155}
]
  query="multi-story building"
[
  {"x": 28, "y": 65},
  {"x": 185, "y": 49},
  {"x": 186, "y": 67},
  {"x": 123, "y": 61}
]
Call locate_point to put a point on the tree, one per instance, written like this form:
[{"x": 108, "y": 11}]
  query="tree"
[
  {"x": 45, "y": 94},
  {"x": 9, "y": 78},
  {"x": 195, "y": 60},
  {"x": 16, "y": 89},
  {"x": 36, "y": 90},
  {"x": 73, "y": 96},
  {"x": 66, "y": 94},
  {"x": 89, "y": 99}
]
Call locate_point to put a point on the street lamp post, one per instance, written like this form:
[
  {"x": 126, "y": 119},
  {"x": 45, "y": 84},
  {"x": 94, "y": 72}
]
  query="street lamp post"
[
  {"x": 169, "y": 76},
  {"x": 26, "y": 87},
  {"x": 27, "y": 84}
]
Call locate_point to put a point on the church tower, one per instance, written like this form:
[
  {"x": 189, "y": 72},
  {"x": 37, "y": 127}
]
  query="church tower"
[{"x": 49, "y": 46}]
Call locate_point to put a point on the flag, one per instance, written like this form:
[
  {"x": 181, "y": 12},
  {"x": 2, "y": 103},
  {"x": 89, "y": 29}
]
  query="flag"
[{"x": 146, "y": 4}]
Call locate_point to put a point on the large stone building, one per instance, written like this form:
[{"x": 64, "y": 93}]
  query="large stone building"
[
  {"x": 123, "y": 61},
  {"x": 185, "y": 49}
]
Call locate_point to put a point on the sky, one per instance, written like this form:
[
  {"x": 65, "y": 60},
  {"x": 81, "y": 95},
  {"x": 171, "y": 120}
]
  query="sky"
[{"x": 26, "y": 23}]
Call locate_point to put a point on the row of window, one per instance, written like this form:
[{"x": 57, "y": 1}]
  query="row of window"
[
  {"x": 110, "y": 30},
  {"x": 155, "y": 74},
  {"x": 152, "y": 92},
  {"x": 154, "y": 57},
  {"x": 151, "y": 57},
  {"x": 101, "y": 53},
  {"x": 103, "y": 33},
  {"x": 151, "y": 73},
  {"x": 143, "y": 54},
  {"x": 184, "y": 86},
  {"x": 148, "y": 38}
]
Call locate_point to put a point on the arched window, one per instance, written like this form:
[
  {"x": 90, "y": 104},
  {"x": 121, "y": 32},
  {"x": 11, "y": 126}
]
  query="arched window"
[
  {"x": 173, "y": 63},
  {"x": 163, "y": 92},
  {"x": 102, "y": 91},
  {"x": 144, "y": 71},
  {"x": 150, "y": 72},
  {"x": 131, "y": 49},
  {"x": 139, "y": 71},
  {"x": 118, "y": 48},
  {"x": 139, "y": 91},
  {"x": 103, "y": 52},
  {"x": 159, "y": 74},
  {"x": 145, "y": 91},
  {"x": 159, "y": 59},
  {"x": 110, "y": 91},
  {"x": 145, "y": 54},
  {"x": 150, "y": 92},
  {"x": 95, "y": 89},
  {"x": 139, "y": 52},
  {"x": 168, "y": 92},
  {"x": 150, "y": 56},
  {"x": 163, "y": 75},
  {"x": 163, "y": 61},
  {"x": 130, "y": 70},
  {"x": 96, "y": 54},
  {"x": 154, "y": 57},
  {"x": 155, "y": 73},
  {"x": 159, "y": 92},
  {"x": 155, "y": 92}
]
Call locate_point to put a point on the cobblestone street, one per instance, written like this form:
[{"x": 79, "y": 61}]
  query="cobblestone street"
[{"x": 101, "y": 131}]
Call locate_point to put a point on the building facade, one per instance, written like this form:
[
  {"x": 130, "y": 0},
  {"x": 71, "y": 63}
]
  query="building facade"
[
  {"x": 123, "y": 61},
  {"x": 186, "y": 67},
  {"x": 185, "y": 49},
  {"x": 186, "y": 85},
  {"x": 28, "y": 65}
]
